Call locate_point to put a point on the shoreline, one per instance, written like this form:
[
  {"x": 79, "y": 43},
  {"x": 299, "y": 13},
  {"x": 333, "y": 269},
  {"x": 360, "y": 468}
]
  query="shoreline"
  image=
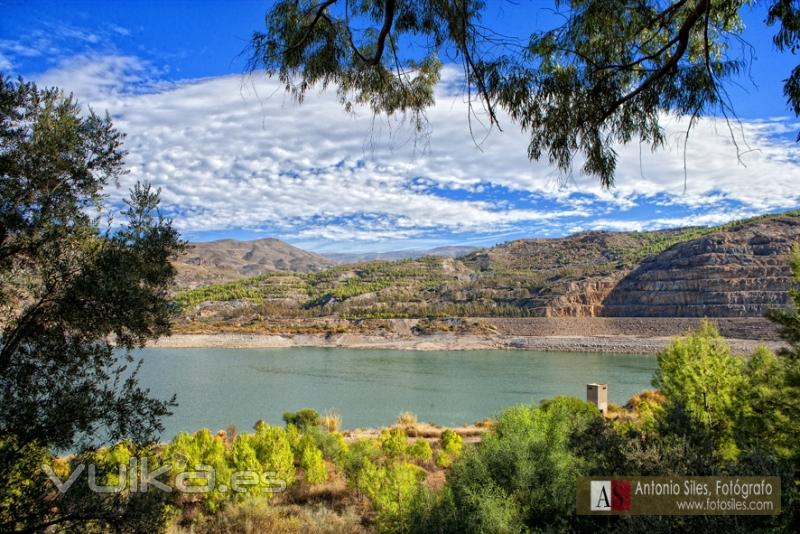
[{"x": 442, "y": 342}]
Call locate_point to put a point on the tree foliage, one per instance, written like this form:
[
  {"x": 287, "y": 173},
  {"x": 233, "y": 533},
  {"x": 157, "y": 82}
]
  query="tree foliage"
[
  {"x": 304, "y": 419},
  {"x": 607, "y": 75},
  {"x": 700, "y": 374},
  {"x": 67, "y": 287}
]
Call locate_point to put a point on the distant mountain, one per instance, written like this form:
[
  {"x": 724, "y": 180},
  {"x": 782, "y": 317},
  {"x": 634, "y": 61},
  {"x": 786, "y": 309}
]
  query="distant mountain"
[
  {"x": 444, "y": 252},
  {"x": 229, "y": 259}
]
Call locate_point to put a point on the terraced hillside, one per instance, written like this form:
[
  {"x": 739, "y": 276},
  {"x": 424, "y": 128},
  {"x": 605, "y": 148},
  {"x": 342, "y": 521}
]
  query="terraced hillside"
[
  {"x": 737, "y": 270},
  {"x": 741, "y": 272}
]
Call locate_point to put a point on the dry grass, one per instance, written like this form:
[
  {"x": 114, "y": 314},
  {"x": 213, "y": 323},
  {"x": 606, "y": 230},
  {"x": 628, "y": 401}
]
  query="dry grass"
[
  {"x": 406, "y": 420},
  {"x": 615, "y": 411},
  {"x": 485, "y": 423},
  {"x": 331, "y": 420},
  {"x": 652, "y": 396},
  {"x": 421, "y": 430},
  {"x": 256, "y": 516}
]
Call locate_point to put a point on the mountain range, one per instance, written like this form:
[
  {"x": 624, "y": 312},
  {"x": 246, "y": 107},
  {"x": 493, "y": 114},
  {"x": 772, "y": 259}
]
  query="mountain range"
[{"x": 225, "y": 260}]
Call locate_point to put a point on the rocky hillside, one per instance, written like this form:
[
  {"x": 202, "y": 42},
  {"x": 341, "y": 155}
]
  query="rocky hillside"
[
  {"x": 736, "y": 270},
  {"x": 740, "y": 272},
  {"x": 229, "y": 259}
]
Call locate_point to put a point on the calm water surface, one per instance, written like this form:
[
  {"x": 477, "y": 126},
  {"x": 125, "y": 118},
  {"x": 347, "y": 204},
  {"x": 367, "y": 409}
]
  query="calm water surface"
[{"x": 219, "y": 387}]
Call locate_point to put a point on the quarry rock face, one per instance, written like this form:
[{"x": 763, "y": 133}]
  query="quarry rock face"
[
  {"x": 585, "y": 298},
  {"x": 739, "y": 272}
]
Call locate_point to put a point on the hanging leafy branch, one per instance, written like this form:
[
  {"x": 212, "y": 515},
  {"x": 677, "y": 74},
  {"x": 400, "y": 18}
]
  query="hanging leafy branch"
[{"x": 608, "y": 75}]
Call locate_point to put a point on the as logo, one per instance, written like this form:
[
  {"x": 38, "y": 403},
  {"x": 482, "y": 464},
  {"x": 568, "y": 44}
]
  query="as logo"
[{"x": 610, "y": 496}]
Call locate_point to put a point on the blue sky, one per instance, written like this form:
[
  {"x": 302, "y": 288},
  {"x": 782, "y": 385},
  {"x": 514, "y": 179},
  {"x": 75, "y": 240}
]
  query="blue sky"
[{"x": 236, "y": 158}]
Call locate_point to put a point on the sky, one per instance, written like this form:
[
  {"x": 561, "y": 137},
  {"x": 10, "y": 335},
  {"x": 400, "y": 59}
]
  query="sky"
[{"x": 237, "y": 158}]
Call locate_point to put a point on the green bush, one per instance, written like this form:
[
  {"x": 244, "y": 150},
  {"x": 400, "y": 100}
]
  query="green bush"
[
  {"x": 333, "y": 446},
  {"x": 392, "y": 490},
  {"x": 313, "y": 463},
  {"x": 522, "y": 474},
  {"x": 273, "y": 451},
  {"x": 394, "y": 443},
  {"x": 451, "y": 443},
  {"x": 302, "y": 419},
  {"x": 188, "y": 453},
  {"x": 421, "y": 450},
  {"x": 359, "y": 453}
]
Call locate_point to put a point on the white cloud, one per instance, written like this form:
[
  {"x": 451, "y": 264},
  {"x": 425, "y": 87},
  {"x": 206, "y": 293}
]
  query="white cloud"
[{"x": 237, "y": 153}]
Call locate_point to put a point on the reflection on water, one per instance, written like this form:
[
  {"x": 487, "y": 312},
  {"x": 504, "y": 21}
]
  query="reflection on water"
[{"x": 219, "y": 387}]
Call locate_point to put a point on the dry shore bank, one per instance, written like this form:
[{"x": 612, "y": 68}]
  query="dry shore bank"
[{"x": 563, "y": 334}]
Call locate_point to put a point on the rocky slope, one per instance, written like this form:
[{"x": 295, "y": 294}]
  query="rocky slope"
[
  {"x": 740, "y": 272},
  {"x": 229, "y": 259}
]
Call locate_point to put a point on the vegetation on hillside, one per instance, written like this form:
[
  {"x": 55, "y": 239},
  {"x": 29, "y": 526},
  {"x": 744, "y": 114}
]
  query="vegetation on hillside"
[{"x": 516, "y": 279}]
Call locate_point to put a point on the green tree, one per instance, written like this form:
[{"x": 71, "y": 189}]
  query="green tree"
[
  {"x": 274, "y": 451},
  {"x": 421, "y": 450},
  {"x": 451, "y": 448},
  {"x": 788, "y": 320},
  {"x": 606, "y": 75},
  {"x": 521, "y": 475},
  {"x": 392, "y": 490},
  {"x": 313, "y": 463},
  {"x": 204, "y": 455},
  {"x": 699, "y": 374},
  {"x": 66, "y": 288}
]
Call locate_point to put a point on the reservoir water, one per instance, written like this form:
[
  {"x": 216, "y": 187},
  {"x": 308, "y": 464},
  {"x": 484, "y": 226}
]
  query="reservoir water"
[{"x": 369, "y": 388}]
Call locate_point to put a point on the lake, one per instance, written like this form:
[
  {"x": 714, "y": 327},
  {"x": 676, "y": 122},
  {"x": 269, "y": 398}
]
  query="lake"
[{"x": 369, "y": 388}]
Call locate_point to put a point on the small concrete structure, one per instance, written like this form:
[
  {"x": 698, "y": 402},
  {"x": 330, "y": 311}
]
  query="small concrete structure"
[{"x": 597, "y": 394}]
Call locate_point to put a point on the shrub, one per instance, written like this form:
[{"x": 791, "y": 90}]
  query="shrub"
[
  {"x": 421, "y": 450},
  {"x": 293, "y": 437},
  {"x": 302, "y": 419},
  {"x": 273, "y": 451},
  {"x": 442, "y": 459},
  {"x": 333, "y": 446},
  {"x": 243, "y": 458},
  {"x": 391, "y": 490},
  {"x": 359, "y": 453},
  {"x": 189, "y": 452},
  {"x": 394, "y": 443},
  {"x": 451, "y": 443},
  {"x": 493, "y": 510},
  {"x": 522, "y": 474},
  {"x": 313, "y": 464}
]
